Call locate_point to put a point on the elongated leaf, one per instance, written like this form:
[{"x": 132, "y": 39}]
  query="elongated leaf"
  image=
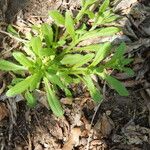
[
  {"x": 36, "y": 44},
  {"x": 102, "y": 32},
  {"x": 12, "y": 31},
  {"x": 22, "y": 59},
  {"x": 89, "y": 2},
  {"x": 85, "y": 59},
  {"x": 71, "y": 59},
  {"x": 52, "y": 100},
  {"x": 36, "y": 81},
  {"x": 48, "y": 33},
  {"x": 69, "y": 24},
  {"x": 57, "y": 81},
  {"x": 101, "y": 54},
  {"x": 120, "y": 50},
  {"x": 57, "y": 17},
  {"x": 9, "y": 66},
  {"x": 31, "y": 100},
  {"x": 117, "y": 85},
  {"x": 20, "y": 87},
  {"x": 46, "y": 52},
  {"x": 104, "y": 6},
  {"x": 117, "y": 55},
  {"x": 95, "y": 94}
]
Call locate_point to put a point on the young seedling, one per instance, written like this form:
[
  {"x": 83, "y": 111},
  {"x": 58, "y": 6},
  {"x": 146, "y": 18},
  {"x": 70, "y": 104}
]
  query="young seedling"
[{"x": 52, "y": 60}]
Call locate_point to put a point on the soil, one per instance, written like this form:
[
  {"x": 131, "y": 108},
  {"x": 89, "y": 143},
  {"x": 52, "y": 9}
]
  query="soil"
[{"x": 119, "y": 123}]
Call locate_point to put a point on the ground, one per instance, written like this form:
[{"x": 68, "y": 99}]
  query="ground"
[{"x": 119, "y": 123}]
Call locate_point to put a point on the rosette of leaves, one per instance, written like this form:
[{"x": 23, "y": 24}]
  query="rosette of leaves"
[{"x": 51, "y": 58}]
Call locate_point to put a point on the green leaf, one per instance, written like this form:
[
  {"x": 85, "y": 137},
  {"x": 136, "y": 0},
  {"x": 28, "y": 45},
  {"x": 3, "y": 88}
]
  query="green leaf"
[
  {"x": 117, "y": 57},
  {"x": 36, "y": 44},
  {"x": 20, "y": 87},
  {"x": 11, "y": 30},
  {"x": 104, "y": 6},
  {"x": 101, "y": 53},
  {"x": 117, "y": 85},
  {"x": 85, "y": 59},
  {"x": 120, "y": 50},
  {"x": 22, "y": 59},
  {"x": 54, "y": 103},
  {"x": 54, "y": 79},
  {"x": 36, "y": 80},
  {"x": 129, "y": 71},
  {"x": 48, "y": 33},
  {"x": 9, "y": 66},
  {"x": 71, "y": 59},
  {"x": 89, "y": 2},
  {"x": 95, "y": 94},
  {"x": 46, "y": 52},
  {"x": 57, "y": 17},
  {"x": 90, "y": 14},
  {"x": 69, "y": 24},
  {"x": 31, "y": 100},
  {"x": 99, "y": 32}
]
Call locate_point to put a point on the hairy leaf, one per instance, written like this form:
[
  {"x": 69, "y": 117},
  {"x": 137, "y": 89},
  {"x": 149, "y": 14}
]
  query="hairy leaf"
[
  {"x": 20, "y": 87},
  {"x": 117, "y": 85},
  {"x": 57, "y": 17},
  {"x": 95, "y": 94},
  {"x": 101, "y": 53},
  {"x": 36, "y": 44},
  {"x": 9, "y": 66},
  {"x": 31, "y": 100},
  {"x": 104, "y": 6},
  {"x": 99, "y": 32},
  {"x": 48, "y": 33},
  {"x": 69, "y": 24},
  {"x": 22, "y": 59},
  {"x": 52, "y": 100}
]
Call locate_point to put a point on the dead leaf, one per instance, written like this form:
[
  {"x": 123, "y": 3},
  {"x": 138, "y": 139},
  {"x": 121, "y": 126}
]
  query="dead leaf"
[
  {"x": 105, "y": 125},
  {"x": 73, "y": 139},
  {"x": 3, "y": 111}
]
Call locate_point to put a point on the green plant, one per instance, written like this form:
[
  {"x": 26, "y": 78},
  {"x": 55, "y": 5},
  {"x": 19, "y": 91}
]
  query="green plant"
[{"x": 51, "y": 58}]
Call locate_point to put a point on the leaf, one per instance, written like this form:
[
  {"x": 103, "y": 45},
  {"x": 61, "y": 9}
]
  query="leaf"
[
  {"x": 54, "y": 103},
  {"x": 90, "y": 14},
  {"x": 89, "y": 2},
  {"x": 99, "y": 32},
  {"x": 36, "y": 44},
  {"x": 36, "y": 81},
  {"x": 48, "y": 33},
  {"x": 69, "y": 24},
  {"x": 9, "y": 66},
  {"x": 117, "y": 85},
  {"x": 101, "y": 53},
  {"x": 31, "y": 100},
  {"x": 85, "y": 59},
  {"x": 129, "y": 71},
  {"x": 46, "y": 52},
  {"x": 104, "y": 6},
  {"x": 22, "y": 59},
  {"x": 95, "y": 94},
  {"x": 11, "y": 30},
  {"x": 120, "y": 50},
  {"x": 54, "y": 79},
  {"x": 71, "y": 59},
  {"x": 20, "y": 87},
  {"x": 57, "y": 17}
]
